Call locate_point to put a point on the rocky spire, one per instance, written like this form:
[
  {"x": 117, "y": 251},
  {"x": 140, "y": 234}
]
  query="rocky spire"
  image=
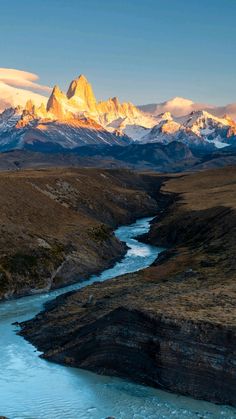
[
  {"x": 81, "y": 91},
  {"x": 30, "y": 106},
  {"x": 55, "y": 102}
]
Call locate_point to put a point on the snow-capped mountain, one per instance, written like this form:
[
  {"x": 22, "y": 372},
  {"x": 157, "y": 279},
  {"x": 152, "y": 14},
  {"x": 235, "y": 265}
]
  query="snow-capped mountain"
[
  {"x": 51, "y": 135},
  {"x": 29, "y": 130},
  {"x": 69, "y": 120},
  {"x": 74, "y": 118},
  {"x": 80, "y": 100},
  {"x": 199, "y": 128}
]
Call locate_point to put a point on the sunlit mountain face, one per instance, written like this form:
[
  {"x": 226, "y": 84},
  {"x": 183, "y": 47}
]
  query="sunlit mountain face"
[{"x": 67, "y": 120}]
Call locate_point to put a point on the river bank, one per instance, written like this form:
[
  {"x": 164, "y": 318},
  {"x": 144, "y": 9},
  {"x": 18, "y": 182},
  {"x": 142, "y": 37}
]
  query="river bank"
[
  {"x": 175, "y": 319},
  {"x": 56, "y": 225},
  {"x": 62, "y": 392}
]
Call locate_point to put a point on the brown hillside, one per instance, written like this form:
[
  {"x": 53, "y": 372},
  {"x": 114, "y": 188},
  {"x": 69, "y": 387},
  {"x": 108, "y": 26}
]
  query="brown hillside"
[{"x": 56, "y": 225}]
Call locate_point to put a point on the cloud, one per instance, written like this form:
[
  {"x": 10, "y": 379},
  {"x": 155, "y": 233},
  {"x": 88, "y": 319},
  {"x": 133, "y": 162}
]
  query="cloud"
[{"x": 22, "y": 79}]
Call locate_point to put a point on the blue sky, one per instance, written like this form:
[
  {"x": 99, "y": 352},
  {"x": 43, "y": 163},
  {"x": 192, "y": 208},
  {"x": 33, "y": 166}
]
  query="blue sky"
[{"x": 141, "y": 50}]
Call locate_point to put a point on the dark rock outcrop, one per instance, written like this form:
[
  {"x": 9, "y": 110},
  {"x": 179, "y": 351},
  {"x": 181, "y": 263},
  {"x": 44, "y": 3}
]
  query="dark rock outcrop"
[{"x": 195, "y": 358}]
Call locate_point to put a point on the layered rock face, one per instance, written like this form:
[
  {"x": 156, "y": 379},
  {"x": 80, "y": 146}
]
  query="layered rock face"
[
  {"x": 187, "y": 357},
  {"x": 172, "y": 325}
]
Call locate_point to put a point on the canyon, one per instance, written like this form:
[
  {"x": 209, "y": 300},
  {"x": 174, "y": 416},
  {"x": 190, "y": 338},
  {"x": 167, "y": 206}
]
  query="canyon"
[
  {"x": 57, "y": 224},
  {"x": 117, "y": 210},
  {"x": 72, "y": 170},
  {"x": 172, "y": 325}
]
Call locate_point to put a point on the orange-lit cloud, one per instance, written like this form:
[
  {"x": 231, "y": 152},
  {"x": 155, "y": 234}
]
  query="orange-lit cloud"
[{"x": 22, "y": 79}]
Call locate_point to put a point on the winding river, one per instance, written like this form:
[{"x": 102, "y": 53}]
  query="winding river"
[{"x": 32, "y": 388}]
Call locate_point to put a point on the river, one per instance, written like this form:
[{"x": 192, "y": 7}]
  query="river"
[{"x": 32, "y": 388}]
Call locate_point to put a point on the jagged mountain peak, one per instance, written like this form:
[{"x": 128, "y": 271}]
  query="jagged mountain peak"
[
  {"x": 202, "y": 116},
  {"x": 198, "y": 128},
  {"x": 55, "y": 102},
  {"x": 69, "y": 120},
  {"x": 66, "y": 114},
  {"x": 165, "y": 116},
  {"x": 201, "y": 112},
  {"x": 30, "y": 106},
  {"x": 77, "y": 85},
  {"x": 115, "y": 100},
  {"x": 80, "y": 101},
  {"x": 56, "y": 91},
  {"x": 80, "y": 90},
  {"x": 81, "y": 78}
]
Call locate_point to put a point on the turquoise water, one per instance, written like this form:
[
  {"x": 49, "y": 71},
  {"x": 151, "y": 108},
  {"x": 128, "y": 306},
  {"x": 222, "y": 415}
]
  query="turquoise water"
[{"x": 32, "y": 388}]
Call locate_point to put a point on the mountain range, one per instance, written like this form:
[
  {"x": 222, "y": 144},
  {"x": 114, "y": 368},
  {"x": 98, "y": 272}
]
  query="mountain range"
[{"x": 67, "y": 120}]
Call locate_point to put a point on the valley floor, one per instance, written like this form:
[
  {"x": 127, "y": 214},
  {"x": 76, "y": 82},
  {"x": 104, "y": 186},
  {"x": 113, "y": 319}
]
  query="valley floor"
[{"x": 172, "y": 325}]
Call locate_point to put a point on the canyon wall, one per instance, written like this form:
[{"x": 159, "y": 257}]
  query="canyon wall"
[{"x": 172, "y": 325}]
